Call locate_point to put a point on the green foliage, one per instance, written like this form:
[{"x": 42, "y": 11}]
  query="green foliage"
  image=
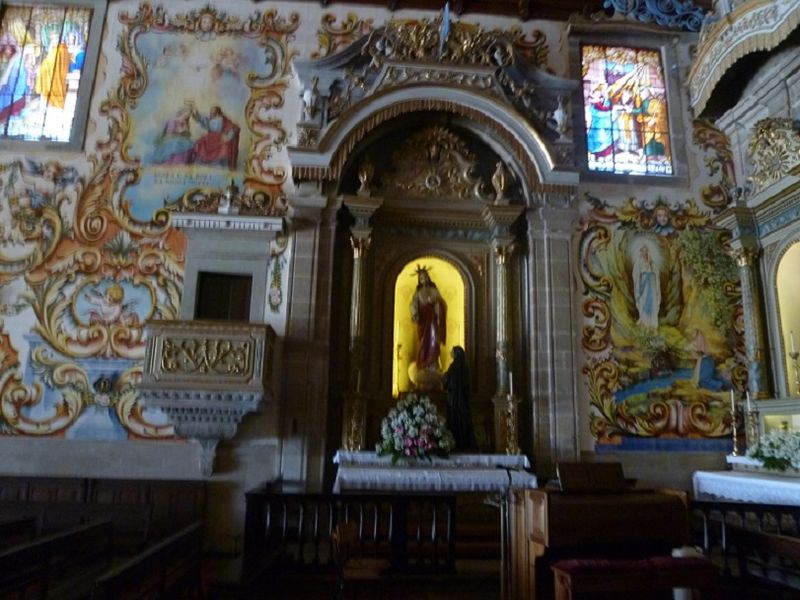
[{"x": 713, "y": 270}]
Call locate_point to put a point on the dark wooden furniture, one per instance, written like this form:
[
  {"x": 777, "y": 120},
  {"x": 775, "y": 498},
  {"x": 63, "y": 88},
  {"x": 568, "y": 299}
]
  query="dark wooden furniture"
[
  {"x": 290, "y": 536},
  {"x": 354, "y": 568},
  {"x": 599, "y": 515},
  {"x": 17, "y": 530},
  {"x": 61, "y": 565},
  {"x": 416, "y": 531},
  {"x": 588, "y": 577},
  {"x": 143, "y": 511},
  {"x": 168, "y": 569}
]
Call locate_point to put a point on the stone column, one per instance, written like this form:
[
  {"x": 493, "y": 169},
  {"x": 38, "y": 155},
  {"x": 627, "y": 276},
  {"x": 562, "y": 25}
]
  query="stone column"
[
  {"x": 752, "y": 307},
  {"x": 353, "y": 425},
  {"x": 553, "y": 333},
  {"x": 506, "y": 426},
  {"x": 745, "y": 250},
  {"x": 312, "y": 222}
]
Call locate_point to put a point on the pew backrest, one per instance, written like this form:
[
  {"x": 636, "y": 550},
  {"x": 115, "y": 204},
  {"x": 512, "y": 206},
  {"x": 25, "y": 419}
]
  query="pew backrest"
[
  {"x": 167, "y": 569},
  {"x": 18, "y": 530},
  {"x": 60, "y": 565}
]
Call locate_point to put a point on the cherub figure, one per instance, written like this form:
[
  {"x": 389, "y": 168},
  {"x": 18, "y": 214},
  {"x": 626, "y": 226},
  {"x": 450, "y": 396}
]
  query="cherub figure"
[{"x": 110, "y": 308}]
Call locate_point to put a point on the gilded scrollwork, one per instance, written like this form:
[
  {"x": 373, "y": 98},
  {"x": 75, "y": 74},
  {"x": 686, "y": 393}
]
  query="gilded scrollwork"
[
  {"x": 508, "y": 64},
  {"x": 332, "y": 38},
  {"x": 38, "y": 214},
  {"x": 206, "y": 356},
  {"x": 719, "y": 164},
  {"x": 435, "y": 161},
  {"x": 773, "y": 150}
]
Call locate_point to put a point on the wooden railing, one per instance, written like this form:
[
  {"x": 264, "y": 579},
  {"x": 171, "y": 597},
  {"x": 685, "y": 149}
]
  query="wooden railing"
[
  {"x": 415, "y": 531},
  {"x": 710, "y": 519},
  {"x": 757, "y": 545}
]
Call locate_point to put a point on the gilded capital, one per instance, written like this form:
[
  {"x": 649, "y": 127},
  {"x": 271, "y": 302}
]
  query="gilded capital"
[
  {"x": 744, "y": 257},
  {"x": 502, "y": 253},
  {"x": 360, "y": 246}
]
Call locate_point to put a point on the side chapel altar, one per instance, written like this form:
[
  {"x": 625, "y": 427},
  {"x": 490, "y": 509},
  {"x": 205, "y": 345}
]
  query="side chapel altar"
[{"x": 458, "y": 473}]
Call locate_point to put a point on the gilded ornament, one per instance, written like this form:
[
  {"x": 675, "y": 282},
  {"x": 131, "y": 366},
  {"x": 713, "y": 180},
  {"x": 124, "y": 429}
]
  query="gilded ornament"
[
  {"x": 773, "y": 150},
  {"x": 206, "y": 356},
  {"x": 434, "y": 162},
  {"x": 365, "y": 174}
]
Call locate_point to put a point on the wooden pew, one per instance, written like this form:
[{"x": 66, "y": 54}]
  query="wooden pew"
[
  {"x": 168, "y": 569},
  {"x": 586, "y": 577},
  {"x": 61, "y": 565},
  {"x": 18, "y": 530}
]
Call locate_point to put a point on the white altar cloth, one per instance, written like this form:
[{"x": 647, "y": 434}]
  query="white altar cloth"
[
  {"x": 361, "y": 471},
  {"x": 740, "y": 486}
]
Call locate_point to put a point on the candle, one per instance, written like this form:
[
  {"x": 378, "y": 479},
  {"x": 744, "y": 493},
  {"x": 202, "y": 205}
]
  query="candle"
[
  {"x": 510, "y": 383},
  {"x": 791, "y": 339},
  {"x": 733, "y": 402},
  {"x": 747, "y": 399}
]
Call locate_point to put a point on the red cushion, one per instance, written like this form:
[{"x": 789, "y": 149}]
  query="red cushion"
[{"x": 661, "y": 563}]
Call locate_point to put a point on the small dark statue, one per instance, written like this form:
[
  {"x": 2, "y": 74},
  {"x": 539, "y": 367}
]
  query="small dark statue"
[{"x": 459, "y": 420}]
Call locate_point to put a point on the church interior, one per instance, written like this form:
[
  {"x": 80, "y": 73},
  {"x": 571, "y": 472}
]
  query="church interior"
[{"x": 297, "y": 297}]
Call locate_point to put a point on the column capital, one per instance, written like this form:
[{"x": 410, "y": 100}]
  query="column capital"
[
  {"x": 741, "y": 222},
  {"x": 502, "y": 248},
  {"x": 559, "y": 219},
  {"x": 362, "y": 208},
  {"x": 499, "y": 218},
  {"x": 744, "y": 256},
  {"x": 306, "y": 204},
  {"x": 360, "y": 244}
]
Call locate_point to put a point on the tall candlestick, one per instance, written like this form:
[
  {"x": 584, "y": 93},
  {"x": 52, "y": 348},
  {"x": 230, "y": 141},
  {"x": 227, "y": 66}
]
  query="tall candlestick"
[
  {"x": 791, "y": 339},
  {"x": 510, "y": 383}
]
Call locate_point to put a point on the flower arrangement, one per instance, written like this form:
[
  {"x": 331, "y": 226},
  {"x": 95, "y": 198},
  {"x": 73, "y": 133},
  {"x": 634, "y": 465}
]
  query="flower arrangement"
[
  {"x": 414, "y": 429},
  {"x": 778, "y": 450}
]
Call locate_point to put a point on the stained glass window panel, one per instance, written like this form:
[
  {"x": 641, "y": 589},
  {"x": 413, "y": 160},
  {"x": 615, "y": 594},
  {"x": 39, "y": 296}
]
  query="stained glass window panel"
[
  {"x": 42, "y": 50},
  {"x": 625, "y": 103}
]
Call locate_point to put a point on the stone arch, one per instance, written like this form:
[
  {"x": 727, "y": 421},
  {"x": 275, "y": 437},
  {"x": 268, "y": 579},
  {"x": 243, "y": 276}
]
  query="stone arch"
[{"x": 500, "y": 125}]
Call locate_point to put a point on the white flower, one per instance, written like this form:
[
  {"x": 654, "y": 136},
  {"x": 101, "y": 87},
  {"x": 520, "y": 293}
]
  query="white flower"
[{"x": 413, "y": 428}]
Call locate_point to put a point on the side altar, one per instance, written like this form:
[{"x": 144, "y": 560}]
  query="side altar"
[{"x": 361, "y": 471}]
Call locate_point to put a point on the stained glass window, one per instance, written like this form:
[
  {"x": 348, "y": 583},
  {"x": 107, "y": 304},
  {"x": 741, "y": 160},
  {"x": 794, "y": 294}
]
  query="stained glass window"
[
  {"x": 625, "y": 103},
  {"x": 42, "y": 59}
]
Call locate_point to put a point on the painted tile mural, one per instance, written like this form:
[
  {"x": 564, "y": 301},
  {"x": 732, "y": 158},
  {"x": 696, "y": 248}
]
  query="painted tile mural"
[
  {"x": 663, "y": 332},
  {"x": 87, "y": 259}
]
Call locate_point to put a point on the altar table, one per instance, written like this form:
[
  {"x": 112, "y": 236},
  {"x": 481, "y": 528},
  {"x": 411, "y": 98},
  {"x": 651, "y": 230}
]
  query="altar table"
[
  {"x": 743, "y": 486},
  {"x": 361, "y": 471}
]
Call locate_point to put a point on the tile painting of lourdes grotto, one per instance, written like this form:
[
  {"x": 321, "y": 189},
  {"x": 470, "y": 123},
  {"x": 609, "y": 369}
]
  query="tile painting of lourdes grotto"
[
  {"x": 664, "y": 337},
  {"x": 41, "y": 58},
  {"x": 625, "y": 104}
]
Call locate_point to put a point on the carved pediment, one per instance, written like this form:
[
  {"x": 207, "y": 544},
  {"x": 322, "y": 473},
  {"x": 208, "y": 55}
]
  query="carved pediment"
[
  {"x": 434, "y": 162},
  {"x": 405, "y": 54}
]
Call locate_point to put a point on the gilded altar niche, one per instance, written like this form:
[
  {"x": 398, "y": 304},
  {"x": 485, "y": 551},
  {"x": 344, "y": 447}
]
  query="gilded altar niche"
[{"x": 433, "y": 185}]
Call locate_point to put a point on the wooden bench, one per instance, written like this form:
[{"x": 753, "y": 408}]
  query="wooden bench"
[
  {"x": 766, "y": 562},
  {"x": 18, "y": 530},
  {"x": 168, "y": 569},
  {"x": 585, "y": 577},
  {"x": 61, "y": 565}
]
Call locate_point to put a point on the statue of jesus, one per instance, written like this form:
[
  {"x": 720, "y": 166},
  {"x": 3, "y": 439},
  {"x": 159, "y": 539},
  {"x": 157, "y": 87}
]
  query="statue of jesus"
[{"x": 429, "y": 313}]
